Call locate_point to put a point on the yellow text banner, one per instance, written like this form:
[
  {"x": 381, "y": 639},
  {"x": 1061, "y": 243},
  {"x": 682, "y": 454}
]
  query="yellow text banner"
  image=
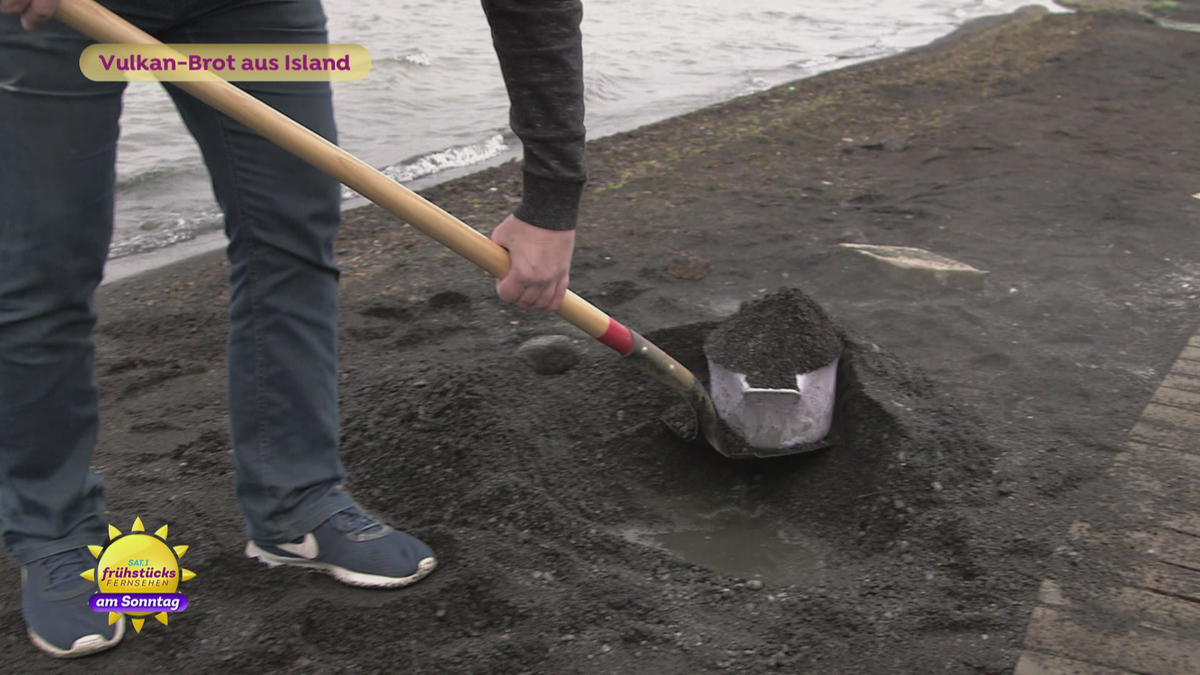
[{"x": 232, "y": 62}]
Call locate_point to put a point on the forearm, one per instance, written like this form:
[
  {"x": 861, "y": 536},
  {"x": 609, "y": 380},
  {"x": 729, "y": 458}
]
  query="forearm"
[{"x": 539, "y": 46}]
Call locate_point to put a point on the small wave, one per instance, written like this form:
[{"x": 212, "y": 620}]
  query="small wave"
[
  {"x": 809, "y": 66},
  {"x": 754, "y": 85},
  {"x": 789, "y": 16},
  {"x": 168, "y": 229},
  {"x": 413, "y": 58},
  {"x": 143, "y": 177},
  {"x": 160, "y": 233},
  {"x": 602, "y": 87},
  {"x": 442, "y": 160},
  {"x": 871, "y": 51}
]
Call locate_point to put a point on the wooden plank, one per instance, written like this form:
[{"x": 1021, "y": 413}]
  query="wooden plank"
[
  {"x": 1181, "y": 382},
  {"x": 1176, "y": 418},
  {"x": 1175, "y": 439},
  {"x": 1176, "y": 548},
  {"x": 1185, "y": 367},
  {"x": 1034, "y": 663},
  {"x": 1168, "y": 427},
  {"x": 1156, "y": 474},
  {"x": 1194, "y": 341},
  {"x": 1178, "y": 398},
  {"x": 1138, "y": 650},
  {"x": 1190, "y": 352},
  {"x": 1170, "y": 580},
  {"x": 1188, "y": 523},
  {"x": 1154, "y": 610},
  {"x": 1050, "y": 593}
]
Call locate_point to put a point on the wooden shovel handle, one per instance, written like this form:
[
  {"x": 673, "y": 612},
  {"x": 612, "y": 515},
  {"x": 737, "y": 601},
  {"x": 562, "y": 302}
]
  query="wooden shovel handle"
[{"x": 102, "y": 25}]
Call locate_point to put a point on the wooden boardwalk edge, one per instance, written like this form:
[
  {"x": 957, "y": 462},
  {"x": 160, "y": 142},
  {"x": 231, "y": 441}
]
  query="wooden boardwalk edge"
[{"x": 1154, "y": 623}]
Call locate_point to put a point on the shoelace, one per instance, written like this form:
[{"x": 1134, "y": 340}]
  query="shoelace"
[
  {"x": 353, "y": 520},
  {"x": 64, "y": 568}
]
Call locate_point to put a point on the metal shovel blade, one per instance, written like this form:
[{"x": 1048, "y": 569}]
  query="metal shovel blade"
[{"x": 775, "y": 422}]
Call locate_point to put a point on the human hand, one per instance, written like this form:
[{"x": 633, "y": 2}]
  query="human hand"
[
  {"x": 33, "y": 13},
  {"x": 541, "y": 264}
]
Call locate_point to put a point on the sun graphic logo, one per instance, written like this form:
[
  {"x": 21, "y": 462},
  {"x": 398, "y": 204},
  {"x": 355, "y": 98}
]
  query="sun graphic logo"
[{"x": 138, "y": 575}]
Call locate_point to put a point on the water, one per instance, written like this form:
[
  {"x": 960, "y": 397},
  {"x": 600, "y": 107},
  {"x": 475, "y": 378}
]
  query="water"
[
  {"x": 434, "y": 105},
  {"x": 736, "y": 538}
]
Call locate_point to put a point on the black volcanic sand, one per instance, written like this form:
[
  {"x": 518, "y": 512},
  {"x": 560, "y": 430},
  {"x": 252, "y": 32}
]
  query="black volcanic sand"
[
  {"x": 773, "y": 339},
  {"x": 1056, "y": 152}
]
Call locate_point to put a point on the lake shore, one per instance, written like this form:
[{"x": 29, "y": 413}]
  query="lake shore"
[{"x": 1053, "y": 151}]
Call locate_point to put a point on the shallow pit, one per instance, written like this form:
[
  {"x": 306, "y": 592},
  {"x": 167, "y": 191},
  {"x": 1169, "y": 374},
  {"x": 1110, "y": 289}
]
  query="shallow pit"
[
  {"x": 897, "y": 460},
  {"x": 738, "y": 541}
]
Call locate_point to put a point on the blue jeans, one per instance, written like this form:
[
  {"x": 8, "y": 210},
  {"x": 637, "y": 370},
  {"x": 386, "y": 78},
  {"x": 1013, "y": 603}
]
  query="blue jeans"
[{"x": 58, "y": 136}]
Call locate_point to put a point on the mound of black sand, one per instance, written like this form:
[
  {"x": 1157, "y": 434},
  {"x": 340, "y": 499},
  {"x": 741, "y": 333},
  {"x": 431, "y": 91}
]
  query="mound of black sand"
[
  {"x": 898, "y": 450},
  {"x": 528, "y": 488},
  {"x": 774, "y": 338}
]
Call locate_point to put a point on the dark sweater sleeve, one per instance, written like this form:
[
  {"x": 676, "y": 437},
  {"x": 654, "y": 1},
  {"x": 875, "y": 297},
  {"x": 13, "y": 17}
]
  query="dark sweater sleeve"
[{"x": 540, "y": 48}]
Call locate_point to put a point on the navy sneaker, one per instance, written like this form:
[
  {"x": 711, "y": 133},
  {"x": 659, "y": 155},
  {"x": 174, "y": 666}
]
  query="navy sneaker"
[
  {"x": 355, "y": 549},
  {"x": 54, "y": 600}
]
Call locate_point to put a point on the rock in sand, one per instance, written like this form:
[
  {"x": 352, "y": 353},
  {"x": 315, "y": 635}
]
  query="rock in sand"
[
  {"x": 549, "y": 354},
  {"x": 918, "y": 267}
]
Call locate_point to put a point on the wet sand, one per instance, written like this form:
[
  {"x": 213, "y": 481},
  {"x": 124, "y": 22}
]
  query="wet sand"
[{"x": 1053, "y": 151}]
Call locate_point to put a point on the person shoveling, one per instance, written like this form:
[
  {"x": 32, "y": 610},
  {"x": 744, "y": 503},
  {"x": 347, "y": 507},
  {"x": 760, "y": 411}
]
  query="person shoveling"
[{"x": 774, "y": 419}]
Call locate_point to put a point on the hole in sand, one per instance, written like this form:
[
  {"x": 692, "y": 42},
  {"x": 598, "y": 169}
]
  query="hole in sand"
[
  {"x": 725, "y": 515},
  {"x": 737, "y": 540},
  {"x": 579, "y": 476},
  {"x": 817, "y": 517}
]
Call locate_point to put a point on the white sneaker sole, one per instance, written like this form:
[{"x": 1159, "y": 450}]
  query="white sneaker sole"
[
  {"x": 424, "y": 568},
  {"x": 88, "y": 644}
]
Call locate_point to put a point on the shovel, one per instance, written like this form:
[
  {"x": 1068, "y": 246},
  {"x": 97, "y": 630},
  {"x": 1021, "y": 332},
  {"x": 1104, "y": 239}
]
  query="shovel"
[{"x": 90, "y": 19}]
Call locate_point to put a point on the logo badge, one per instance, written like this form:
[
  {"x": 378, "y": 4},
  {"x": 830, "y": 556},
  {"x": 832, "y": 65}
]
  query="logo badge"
[
  {"x": 138, "y": 575},
  {"x": 307, "y": 548}
]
